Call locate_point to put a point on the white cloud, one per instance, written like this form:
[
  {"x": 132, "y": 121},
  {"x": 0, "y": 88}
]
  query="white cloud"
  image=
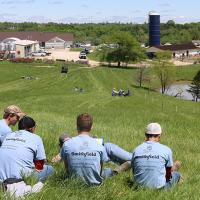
[
  {"x": 57, "y": 2},
  {"x": 12, "y": 2},
  {"x": 164, "y": 5},
  {"x": 84, "y": 6}
]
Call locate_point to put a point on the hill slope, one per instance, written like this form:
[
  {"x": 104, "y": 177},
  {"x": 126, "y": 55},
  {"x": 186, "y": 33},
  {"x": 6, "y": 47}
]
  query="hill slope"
[{"x": 53, "y": 102}]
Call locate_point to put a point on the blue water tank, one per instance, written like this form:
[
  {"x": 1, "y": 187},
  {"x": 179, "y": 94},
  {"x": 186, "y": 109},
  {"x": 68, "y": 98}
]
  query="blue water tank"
[{"x": 154, "y": 29}]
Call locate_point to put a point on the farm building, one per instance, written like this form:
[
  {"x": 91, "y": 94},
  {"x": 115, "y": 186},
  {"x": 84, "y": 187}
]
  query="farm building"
[
  {"x": 45, "y": 39},
  {"x": 16, "y": 48},
  {"x": 178, "y": 50},
  {"x": 25, "y": 47}
]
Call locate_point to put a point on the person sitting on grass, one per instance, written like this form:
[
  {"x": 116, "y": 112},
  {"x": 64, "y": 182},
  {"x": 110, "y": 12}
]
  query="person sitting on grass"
[
  {"x": 121, "y": 92},
  {"x": 114, "y": 153},
  {"x": 83, "y": 150},
  {"x": 22, "y": 153},
  {"x": 152, "y": 162},
  {"x": 11, "y": 116},
  {"x": 114, "y": 92}
]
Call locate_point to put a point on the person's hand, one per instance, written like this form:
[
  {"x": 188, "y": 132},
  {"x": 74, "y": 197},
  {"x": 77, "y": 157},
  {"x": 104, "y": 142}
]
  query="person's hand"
[{"x": 56, "y": 159}]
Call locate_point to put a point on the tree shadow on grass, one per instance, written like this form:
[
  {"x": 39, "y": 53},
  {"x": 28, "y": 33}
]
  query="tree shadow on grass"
[
  {"x": 121, "y": 67},
  {"x": 142, "y": 87}
]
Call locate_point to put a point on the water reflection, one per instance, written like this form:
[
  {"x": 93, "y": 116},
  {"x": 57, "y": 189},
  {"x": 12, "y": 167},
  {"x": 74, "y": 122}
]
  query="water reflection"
[{"x": 179, "y": 91}]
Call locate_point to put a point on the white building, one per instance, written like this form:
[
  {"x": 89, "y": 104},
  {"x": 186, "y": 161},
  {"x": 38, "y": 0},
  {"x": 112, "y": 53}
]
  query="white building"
[{"x": 23, "y": 48}]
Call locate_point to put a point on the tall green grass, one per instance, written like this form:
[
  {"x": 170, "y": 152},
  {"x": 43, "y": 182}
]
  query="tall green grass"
[{"x": 54, "y": 104}]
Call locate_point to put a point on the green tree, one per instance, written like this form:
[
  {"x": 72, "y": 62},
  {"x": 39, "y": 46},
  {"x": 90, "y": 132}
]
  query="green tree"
[
  {"x": 195, "y": 87},
  {"x": 164, "y": 70},
  {"x": 170, "y": 23},
  {"x": 126, "y": 48}
]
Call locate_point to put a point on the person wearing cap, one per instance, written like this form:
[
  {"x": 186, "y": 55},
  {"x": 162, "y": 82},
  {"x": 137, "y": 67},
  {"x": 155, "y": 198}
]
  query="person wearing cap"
[
  {"x": 22, "y": 153},
  {"x": 152, "y": 162},
  {"x": 11, "y": 116}
]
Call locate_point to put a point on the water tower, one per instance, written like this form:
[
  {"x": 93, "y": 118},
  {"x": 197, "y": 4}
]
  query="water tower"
[{"x": 154, "y": 29}]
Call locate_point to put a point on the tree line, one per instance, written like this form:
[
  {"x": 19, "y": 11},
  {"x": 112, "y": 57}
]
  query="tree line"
[{"x": 95, "y": 33}]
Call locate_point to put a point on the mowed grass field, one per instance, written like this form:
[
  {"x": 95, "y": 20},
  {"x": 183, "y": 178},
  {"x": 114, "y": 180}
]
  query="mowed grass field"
[{"x": 52, "y": 101}]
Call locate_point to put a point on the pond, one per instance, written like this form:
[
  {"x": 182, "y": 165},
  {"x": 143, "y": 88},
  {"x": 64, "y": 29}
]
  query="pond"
[{"x": 179, "y": 91}]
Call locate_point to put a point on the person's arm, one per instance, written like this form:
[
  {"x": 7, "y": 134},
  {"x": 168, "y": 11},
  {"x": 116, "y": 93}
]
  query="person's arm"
[
  {"x": 104, "y": 158},
  {"x": 39, "y": 164},
  {"x": 169, "y": 165},
  {"x": 101, "y": 165},
  {"x": 40, "y": 157},
  {"x": 168, "y": 173},
  {"x": 66, "y": 165},
  {"x": 63, "y": 154}
]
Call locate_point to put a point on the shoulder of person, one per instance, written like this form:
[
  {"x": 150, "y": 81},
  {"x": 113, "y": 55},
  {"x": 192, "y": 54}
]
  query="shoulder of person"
[
  {"x": 139, "y": 146},
  {"x": 34, "y": 137},
  {"x": 166, "y": 148}
]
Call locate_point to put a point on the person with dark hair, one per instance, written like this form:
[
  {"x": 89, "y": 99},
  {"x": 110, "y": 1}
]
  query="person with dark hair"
[
  {"x": 83, "y": 155},
  {"x": 152, "y": 162},
  {"x": 62, "y": 139},
  {"x": 11, "y": 116},
  {"x": 22, "y": 153},
  {"x": 128, "y": 94}
]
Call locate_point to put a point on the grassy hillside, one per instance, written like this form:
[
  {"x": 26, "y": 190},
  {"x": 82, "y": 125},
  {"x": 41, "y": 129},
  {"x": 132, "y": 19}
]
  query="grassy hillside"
[{"x": 52, "y": 101}]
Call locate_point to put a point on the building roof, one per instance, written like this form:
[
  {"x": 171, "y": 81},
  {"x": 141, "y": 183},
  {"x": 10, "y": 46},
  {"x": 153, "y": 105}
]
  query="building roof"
[
  {"x": 196, "y": 42},
  {"x": 177, "y": 47},
  {"x": 25, "y": 42},
  {"x": 34, "y": 35}
]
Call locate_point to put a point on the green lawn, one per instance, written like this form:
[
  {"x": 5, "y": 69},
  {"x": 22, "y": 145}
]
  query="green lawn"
[{"x": 53, "y": 103}]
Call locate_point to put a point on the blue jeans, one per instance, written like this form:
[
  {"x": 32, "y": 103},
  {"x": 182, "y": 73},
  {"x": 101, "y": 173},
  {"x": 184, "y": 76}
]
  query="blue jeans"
[
  {"x": 47, "y": 171},
  {"x": 117, "y": 155},
  {"x": 174, "y": 180}
]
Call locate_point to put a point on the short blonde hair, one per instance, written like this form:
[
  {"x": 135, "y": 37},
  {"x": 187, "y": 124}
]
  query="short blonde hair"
[{"x": 12, "y": 110}]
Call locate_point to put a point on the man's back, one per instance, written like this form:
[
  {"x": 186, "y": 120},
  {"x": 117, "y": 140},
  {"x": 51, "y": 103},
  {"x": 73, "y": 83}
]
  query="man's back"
[
  {"x": 84, "y": 157},
  {"x": 4, "y": 130},
  {"x": 18, "y": 151},
  {"x": 149, "y": 163}
]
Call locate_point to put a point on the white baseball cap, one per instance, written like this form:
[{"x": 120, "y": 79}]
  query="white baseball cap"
[{"x": 153, "y": 129}]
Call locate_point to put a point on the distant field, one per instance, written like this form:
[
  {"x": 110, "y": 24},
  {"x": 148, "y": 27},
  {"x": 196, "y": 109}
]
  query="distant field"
[
  {"x": 76, "y": 49},
  {"x": 52, "y": 101}
]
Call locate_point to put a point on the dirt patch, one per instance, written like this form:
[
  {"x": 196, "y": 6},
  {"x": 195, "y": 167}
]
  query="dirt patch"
[{"x": 181, "y": 63}]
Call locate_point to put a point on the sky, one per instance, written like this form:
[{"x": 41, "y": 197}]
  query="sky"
[{"x": 96, "y": 11}]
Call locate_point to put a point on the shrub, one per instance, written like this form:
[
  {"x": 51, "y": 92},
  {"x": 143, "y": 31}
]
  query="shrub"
[{"x": 22, "y": 60}]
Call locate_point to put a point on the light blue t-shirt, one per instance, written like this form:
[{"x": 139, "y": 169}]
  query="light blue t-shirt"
[
  {"x": 4, "y": 130},
  {"x": 149, "y": 163},
  {"x": 84, "y": 157},
  {"x": 17, "y": 153}
]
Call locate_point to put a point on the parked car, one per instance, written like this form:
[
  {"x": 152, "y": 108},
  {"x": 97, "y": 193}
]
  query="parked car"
[
  {"x": 86, "y": 51},
  {"x": 82, "y": 55},
  {"x": 39, "y": 53}
]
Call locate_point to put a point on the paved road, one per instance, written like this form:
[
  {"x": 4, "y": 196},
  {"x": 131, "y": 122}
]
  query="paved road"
[{"x": 66, "y": 54}]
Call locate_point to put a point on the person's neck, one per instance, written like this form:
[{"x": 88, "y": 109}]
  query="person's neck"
[
  {"x": 7, "y": 122},
  {"x": 153, "y": 139},
  {"x": 83, "y": 133}
]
